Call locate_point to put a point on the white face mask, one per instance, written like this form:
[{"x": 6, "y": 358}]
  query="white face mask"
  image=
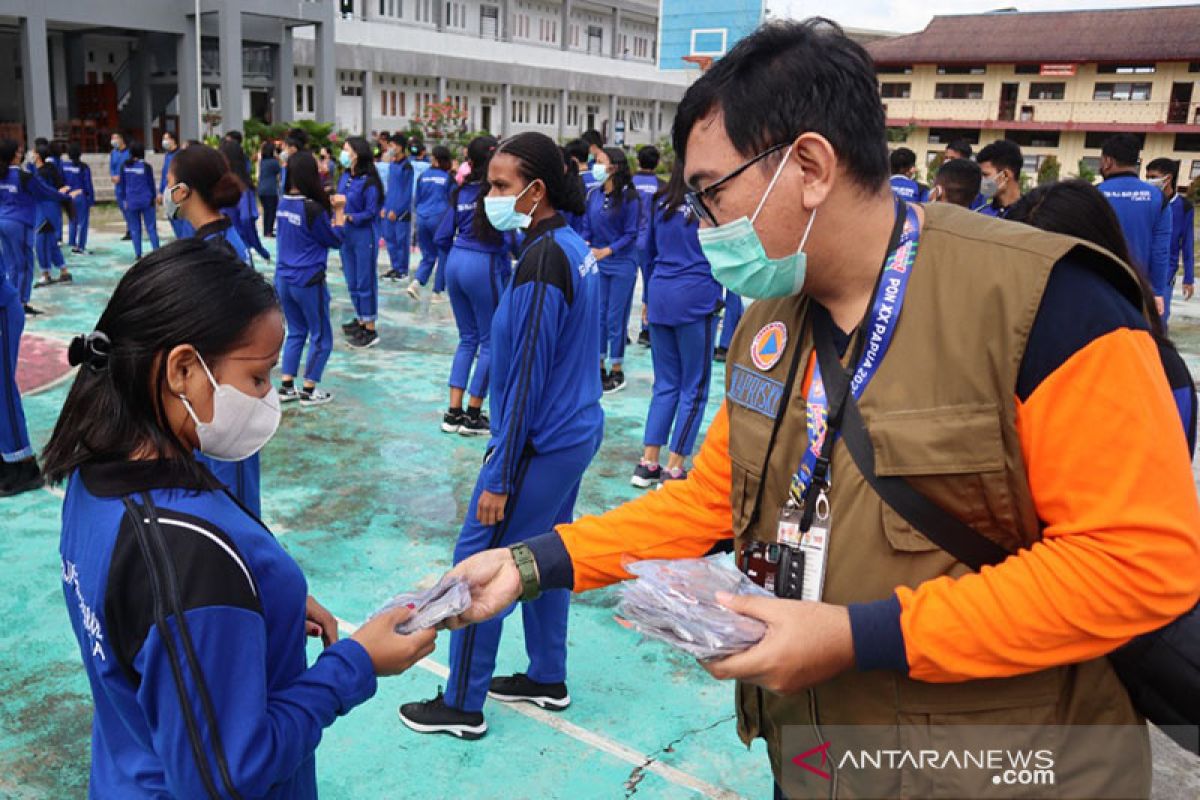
[{"x": 241, "y": 425}]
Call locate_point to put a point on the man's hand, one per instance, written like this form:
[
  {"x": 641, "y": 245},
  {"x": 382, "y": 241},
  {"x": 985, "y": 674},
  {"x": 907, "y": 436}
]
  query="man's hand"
[
  {"x": 495, "y": 585},
  {"x": 806, "y": 644},
  {"x": 1158, "y": 303},
  {"x": 319, "y": 622},
  {"x": 490, "y": 509},
  {"x": 1188, "y": 290}
]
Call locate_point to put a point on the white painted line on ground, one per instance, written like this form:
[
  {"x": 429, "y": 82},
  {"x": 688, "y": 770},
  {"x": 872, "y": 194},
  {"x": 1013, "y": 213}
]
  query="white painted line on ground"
[{"x": 590, "y": 738}]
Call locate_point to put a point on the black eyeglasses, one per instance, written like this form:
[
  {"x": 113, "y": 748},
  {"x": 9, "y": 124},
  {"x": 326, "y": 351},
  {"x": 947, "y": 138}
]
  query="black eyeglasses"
[{"x": 695, "y": 199}]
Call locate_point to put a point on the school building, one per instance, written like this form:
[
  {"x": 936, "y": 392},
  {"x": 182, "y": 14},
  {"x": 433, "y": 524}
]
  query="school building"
[
  {"x": 78, "y": 70},
  {"x": 1057, "y": 83}
]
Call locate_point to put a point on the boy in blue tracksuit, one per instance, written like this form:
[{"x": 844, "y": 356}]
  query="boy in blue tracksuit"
[
  {"x": 684, "y": 299},
  {"x": 360, "y": 253},
  {"x": 48, "y": 224},
  {"x": 648, "y": 185},
  {"x": 611, "y": 224},
  {"x": 904, "y": 166},
  {"x": 170, "y": 147},
  {"x": 20, "y": 193},
  {"x": 138, "y": 192},
  {"x": 1164, "y": 173},
  {"x": 117, "y": 157},
  {"x": 397, "y": 208},
  {"x": 83, "y": 195},
  {"x": 1141, "y": 209},
  {"x": 433, "y": 200}
]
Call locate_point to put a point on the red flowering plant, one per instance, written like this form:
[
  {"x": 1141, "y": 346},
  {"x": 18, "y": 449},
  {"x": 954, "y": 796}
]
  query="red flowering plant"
[{"x": 440, "y": 121}]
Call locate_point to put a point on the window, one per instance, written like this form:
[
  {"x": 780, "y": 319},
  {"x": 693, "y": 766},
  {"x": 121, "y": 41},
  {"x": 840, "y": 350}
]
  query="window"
[
  {"x": 299, "y": 99},
  {"x": 1033, "y": 138},
  {"x": 1187, "y": 142},
  {"x": 520, "y": 111},
  {"x": 947, "y": 135},
  {"x": 391, "y": 8},
  {"x": 895, "y": 90},
  {"x": 893, "y": 70},
  {"x": 308, "y": 93},
  {"x": 1094, "y": 140},
  {"x": 710, "y": 41},
  {"x": 595, "y": 39},
  {"x": 1028, "y": 69},
  {"x": 489, "y": 22},
  {"x": 423, "y": 11},
  {"x": 1122, "y": 91},
  {"x": 1194, "y": 66},
  {"x": 1195, "y": 173},
  {"x": 1031, "y": 164},
  {"x": 455, "y": 15},
  {"x": 958, "y": 91},
  {"x": 957, "y": 69},
  {"x": 1091, "y": 163},
  {"x": 1047, "y": 91},
  {"x": 573, "y": 116},
  {"x": 637, "y": 120},
  {"x": 1125, "y": 69},
  {"x": 547, "y": 114}
]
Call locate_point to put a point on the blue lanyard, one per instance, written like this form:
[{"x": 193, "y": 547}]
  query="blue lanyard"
[{"x": 885, "y": 314}]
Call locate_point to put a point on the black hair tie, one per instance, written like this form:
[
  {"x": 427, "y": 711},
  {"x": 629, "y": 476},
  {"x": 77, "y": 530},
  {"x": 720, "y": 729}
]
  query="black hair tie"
[{"x": 91, "y": 350}]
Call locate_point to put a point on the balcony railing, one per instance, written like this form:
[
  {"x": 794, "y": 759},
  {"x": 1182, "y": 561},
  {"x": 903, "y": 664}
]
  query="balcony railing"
[{"x": 1129, "y": 112}]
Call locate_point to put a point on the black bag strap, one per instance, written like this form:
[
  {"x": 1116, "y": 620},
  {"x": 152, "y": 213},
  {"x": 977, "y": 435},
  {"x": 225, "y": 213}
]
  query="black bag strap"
[{"x": 943, "y": 529}]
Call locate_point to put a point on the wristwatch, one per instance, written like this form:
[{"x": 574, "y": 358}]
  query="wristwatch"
[{"x": 531, "y": 585}]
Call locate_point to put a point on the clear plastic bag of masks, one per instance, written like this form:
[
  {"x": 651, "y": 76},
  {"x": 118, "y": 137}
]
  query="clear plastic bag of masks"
[
  {"x": 449, "y": 597},
  {"x": 675, "y": 602}
]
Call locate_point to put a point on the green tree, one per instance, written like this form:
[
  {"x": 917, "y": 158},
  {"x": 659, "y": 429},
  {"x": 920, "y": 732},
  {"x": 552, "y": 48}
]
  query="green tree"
[
  {"x": 1085, "y": 172},
  {"x": 1048, "y": 171}
]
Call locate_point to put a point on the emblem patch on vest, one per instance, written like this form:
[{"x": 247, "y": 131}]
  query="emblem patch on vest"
[
  {"x": 767, "y": 347},
  {"x": 756, "y": 392}
]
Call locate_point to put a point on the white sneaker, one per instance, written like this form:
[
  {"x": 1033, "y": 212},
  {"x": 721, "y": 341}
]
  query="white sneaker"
[
  {"x": 314, "y": 397},
  {"x": 288, "y": 393},
  {"x": 414, "y": 290}
]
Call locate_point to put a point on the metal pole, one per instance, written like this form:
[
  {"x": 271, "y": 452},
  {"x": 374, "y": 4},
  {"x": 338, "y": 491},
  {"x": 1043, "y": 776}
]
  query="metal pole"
[{"x": 199, "y": 79}]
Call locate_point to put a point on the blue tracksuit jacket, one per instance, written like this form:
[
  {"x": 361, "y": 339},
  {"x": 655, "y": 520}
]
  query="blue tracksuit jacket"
[{"x": 1146, "y": 221}]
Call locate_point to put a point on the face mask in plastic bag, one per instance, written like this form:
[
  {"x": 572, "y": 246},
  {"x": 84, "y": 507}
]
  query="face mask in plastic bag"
[
  {"x": 675, "y": 602},
  {"x": 449, "y": 597}
]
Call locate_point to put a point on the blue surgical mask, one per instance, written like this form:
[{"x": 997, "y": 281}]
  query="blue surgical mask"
[
  {"x": 502, "y": 212},
  {"x": 739, "y": 262},
  {"x": 600, "y": 172},
  {"x": 344, "y": 159}
]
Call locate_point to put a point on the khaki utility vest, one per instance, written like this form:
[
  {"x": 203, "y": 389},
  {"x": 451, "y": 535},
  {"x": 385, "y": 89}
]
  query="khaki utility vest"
[{"x": 941, "y": 413}]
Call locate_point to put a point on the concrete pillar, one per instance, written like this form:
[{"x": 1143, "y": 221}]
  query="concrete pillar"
[
  {"x": 229, "y": 22},
  {"x": 441, "y": 89},
  {"x": 145, "y": 95},
  {"x": 655, "y": 133},
  {"x": 439, "y": 14},
  {"x": 563, "y": 97},
  {"x": 58, "y": 74},
  {"x": 75, "y": 53},
  {"x": 612, "y": 120},
  {"x": 505, "y": 22},
  {"x": 186, "y": 74},
  {"x": 325, "y": 72},
  {"x": 616, "y": 35},
  {"x": 566, "y": 25},
  {"x": 285, "y": 79},
  {"x": 35, "y": 61},
  {"x": 368, "y": 103},
  {"x": 505, "y": 110}
]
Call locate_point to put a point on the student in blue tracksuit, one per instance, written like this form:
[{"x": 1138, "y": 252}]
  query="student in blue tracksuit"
[
  {"x": 118, "y": 155},
  {"x": 138, "y": 192},
  {"x": 190, "y": 618},
  {"x": 575, "y": 153},
  {"x": 20, "y": 193},
  {"x": 432, "y": 203},
  {"x": 48, "y": 225},
  {"x": 170, "y": 146},
  {"x": 244, "y": 213},
  {"x": 648, "y": 184},
  {"x": 397, "y": 208},
  {"x": 904, "y": 166},
  {"x": 610, "y": 226},
  {"x": 477, "y": 270},
  {"x": 1164, "y": 173},
  {"x": 684, "y": 299},
  {"x": 1142, "y": 210},
  {"x": 18, "y": 467},
  {"x": 309, "y": 225},
  {"x": 729, "y": 322},
  {"x": 83, "y": 196},
  {"x": 1000, "y": 165},
  {"x": 361, "y": 190},
  {"x": 546, "y": 426},
  {"x": 269, "y": 187}
]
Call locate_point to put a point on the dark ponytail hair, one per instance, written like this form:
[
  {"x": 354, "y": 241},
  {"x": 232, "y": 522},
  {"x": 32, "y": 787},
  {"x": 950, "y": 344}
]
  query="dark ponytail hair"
[
  {"x": 75, "y": 153},
  {"x": 539, "y": 159},
  {"x": 236, "y": 158},
  {"x": 364, "y": 163},
  {"x": 207, "y": 174},
  {"x": 305, "y": 178},
  {"x": 189, "y": 292},
  {"x": 441, "y": 158},
  {"x": 479, "y": 154},
  {"x": 670, "y": 196},
  {"x": 622, "y": 178}
]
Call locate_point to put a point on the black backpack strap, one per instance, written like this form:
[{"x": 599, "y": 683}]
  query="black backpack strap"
[{"x": 940, "y": 527}]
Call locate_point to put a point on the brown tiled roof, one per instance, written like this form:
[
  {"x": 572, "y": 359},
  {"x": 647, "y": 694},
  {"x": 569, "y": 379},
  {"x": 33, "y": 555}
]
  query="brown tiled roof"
[{"x": 1164, "y": 33}]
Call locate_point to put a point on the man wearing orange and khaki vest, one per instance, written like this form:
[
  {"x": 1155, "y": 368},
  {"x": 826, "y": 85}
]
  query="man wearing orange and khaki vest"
[{"x": 1004, "y": 372}]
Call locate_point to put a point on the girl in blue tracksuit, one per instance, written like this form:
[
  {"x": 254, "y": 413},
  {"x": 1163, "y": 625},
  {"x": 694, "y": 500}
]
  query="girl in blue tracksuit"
[
  {"x": 477, "y": 270},
  {"x": 683, "y": 302},
  {"x": 362, "y": 193},
  {"x": 48, "y": 225},
  {"x": 648, "y": 184},
  {"x": 397, "y": 208},
  {"x": 729, "y": 323},
  {"x": 18, "y": 466},
  {"x": 243, "y": 213},
  {"x": 610, "y": 226},
  {"x": 20, "y": 193},
  {"x": 83, "y": 195},
  {"x": 546, "y": 427},
  {"x": 432, "y": 201},
  {"x": 189, "y": 616},
  {"x": 305, "y": 234},
  {"x": 137, "y": 193}
]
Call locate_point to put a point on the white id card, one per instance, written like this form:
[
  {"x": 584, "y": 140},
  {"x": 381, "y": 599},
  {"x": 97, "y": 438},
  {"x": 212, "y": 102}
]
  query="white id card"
[{"x": 815, "y": 544}]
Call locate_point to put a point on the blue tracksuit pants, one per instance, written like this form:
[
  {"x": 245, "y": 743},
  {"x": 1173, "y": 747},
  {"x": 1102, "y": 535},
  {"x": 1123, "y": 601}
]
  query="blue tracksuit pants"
[
  {"x": 360, "y": 252},
  {"x": 426, "y": 229},
  {"x": 49, "y": 254},
  {"x": 16, "y": 252},
  {"x": 138, "y": 218},
  {"x": 617, "y": 280},
  {"x": 306, "y": 310},
  {"x": 397, "y": 234},
  {"x": 544, "y": 495},
  {"x": 682, "y": 357},
  {"x": 77, "y": 231},
  {"x": 14, "y": 435},
  {"x": 475, "y": 282},
  {"x": 733, "y": 313}
]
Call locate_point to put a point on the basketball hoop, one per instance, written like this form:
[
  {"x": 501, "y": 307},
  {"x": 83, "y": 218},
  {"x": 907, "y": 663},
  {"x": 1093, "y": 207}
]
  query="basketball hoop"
[{"x": 704, "y": 62}]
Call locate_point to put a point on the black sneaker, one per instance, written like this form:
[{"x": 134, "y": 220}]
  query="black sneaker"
[
  {"x": 520, "y": 688},
  {"x": 603, "y": 377},
  {"x": 644, "y": 338},
  {"x": 719, "y": 354},
  {"x": 45, "y": 280},
  {"x": 126, "y": 237},
  {"x": 314, "y": 397},
  {"x": 434, "y": 716},
  {"x": 32, "y": 312},
  {"x": 679, "y": 474},
  {"x": 615, "y": 382},
  {"x": 288, "y": 393},
  {"x": 364, "y": 338},
  {"x": 352, "y": 327},
  {"x": 18, "y": 477},
  {"x": 646, "y": 475},
  {"x": 475, "y": 425},
  {"x": 391, "y": 275},
  {"x": 453, "y": 420},
  {"x": 65, "y": 277}
]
